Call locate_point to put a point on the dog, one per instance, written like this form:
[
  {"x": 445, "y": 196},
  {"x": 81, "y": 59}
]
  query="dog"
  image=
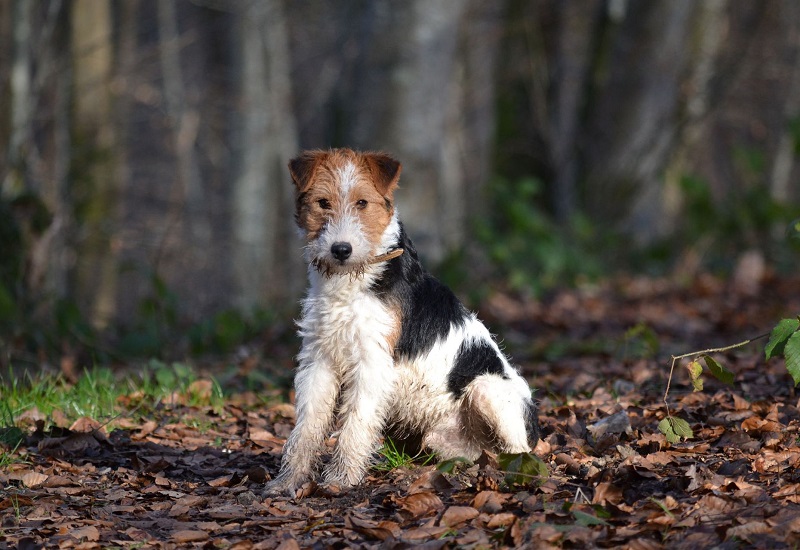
[{"x": 385, "y": 345}]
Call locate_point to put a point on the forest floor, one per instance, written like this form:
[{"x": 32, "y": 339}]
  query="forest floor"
[{"x": 193, "y": 476}]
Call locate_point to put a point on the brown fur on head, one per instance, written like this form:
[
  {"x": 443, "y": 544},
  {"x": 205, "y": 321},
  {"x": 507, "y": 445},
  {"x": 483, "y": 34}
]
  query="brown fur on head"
[{"x": 342, "y": 187}]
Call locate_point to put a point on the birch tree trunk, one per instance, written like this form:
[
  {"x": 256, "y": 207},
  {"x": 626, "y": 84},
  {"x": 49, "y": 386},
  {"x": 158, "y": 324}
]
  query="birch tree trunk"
[{"x": 21, "y": 111}]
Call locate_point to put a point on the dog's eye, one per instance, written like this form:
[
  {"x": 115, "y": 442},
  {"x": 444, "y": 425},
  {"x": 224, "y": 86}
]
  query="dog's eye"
[
  {"x": 361, "y": 204},
  {"x": 325, "y": 204}
]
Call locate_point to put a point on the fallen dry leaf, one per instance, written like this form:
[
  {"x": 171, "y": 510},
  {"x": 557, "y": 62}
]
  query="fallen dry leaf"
[
  {"x": 89, "y": 533},
  {"x": 457, "y": 515},
  {"x": 419, "y": 504},
  {"x": 33, "y": 479},
  {"x": 189, "y": 535},
  {"x": 380, "y": 530}
]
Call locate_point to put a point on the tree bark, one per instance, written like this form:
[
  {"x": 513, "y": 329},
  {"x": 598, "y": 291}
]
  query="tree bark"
[
  {"x": 635, "y": 116},
  {"x": 93, "y": 60},
  {"x": 785, "y": 155},
  {"x": 262, "y": 196},
  {"x": 572, "y": 59}
]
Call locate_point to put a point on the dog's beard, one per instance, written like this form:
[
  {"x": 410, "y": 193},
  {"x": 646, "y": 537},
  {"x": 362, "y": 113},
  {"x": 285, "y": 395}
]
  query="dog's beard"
[{"x": 328, "y": 269}]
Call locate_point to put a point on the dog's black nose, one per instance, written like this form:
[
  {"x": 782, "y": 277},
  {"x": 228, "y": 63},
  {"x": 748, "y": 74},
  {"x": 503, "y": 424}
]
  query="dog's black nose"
[{"x": 341, "y": 251}]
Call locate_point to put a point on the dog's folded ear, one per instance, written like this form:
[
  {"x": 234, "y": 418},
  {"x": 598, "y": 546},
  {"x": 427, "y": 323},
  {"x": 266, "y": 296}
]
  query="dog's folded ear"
[
  {"x": 302, "y": 168},
  {"x": 385, "y": 171}
]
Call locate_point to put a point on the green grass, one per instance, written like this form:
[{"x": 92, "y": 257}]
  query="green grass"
[
  {"x": 394, "y": 457},
  {"x": 100, "y": 394}
]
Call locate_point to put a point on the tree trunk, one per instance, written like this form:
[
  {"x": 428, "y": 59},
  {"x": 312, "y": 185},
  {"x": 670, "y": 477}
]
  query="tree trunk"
[
  {"x": 262, "y": 196},
  {"x": 93, "y": 64},
  {"x": 570, "y": 74},
  {"x": 784, "y": 161},
  {"x": 21, "y": 94},
  {"x": 635, "y": 117},
  {"x": 187, "y": 201}
]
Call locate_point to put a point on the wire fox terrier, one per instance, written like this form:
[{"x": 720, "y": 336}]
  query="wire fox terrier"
[{"x": 386, "y": 346}]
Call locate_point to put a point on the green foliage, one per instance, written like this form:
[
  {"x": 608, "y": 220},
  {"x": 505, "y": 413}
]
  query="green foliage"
[
  {"x": 98, "y": 392},
  {"x": 640, "y": 341},
  {"x": 792, "y": 354},
  {"x": 722, "y": 227},
  {"x": 785, "y": 340},
  {"x": 228, "y": 329},
  {"x": 719, "y": 372},
  {"x": 675, "y": 429},
  {"x": 523, "y": 468},
  {"x": 527, "y": 247},
  {"x": 23, "y": 218},
  {"x": 159, "y": 329},
  {"x": 779, "y": 336},
  {"x": 395, "y": 457},
  {"x": 453, "y": 465},
  {"x": 94, "y": 395},
  {"x": 10, "y": 434},
  {"x": 793, "y": 232}
]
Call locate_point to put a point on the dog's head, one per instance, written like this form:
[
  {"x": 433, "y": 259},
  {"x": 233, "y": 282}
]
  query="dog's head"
[{"x": 344, "y": 206}]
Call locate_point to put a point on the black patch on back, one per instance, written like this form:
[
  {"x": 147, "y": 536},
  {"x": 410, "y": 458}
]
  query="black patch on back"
[
  {"x": 429, "y": 309},
  {"x": 472, "y": 360}
]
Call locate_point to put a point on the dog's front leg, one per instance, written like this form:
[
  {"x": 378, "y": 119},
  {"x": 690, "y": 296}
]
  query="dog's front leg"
[
  {"x": 317, "y": 388},
  {"x": 365, "y": 404}
]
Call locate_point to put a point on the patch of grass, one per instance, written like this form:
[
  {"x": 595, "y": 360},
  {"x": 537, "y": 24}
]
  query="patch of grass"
[
  {"x": 101, "y": 395},
  {"x": 94, "y": 395},
  {"x": 10, "y": 456},
  {"x": 394, "y": 457}
]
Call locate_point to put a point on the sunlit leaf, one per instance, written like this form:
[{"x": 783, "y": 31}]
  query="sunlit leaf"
[
  {"x": 792, "y": 353},
  {"x": 720, "y": 373},
  {"x": 522, "y": 468},
  {"x": 675, "y": 429},
  {"x": 793, "y": 231},
  {"x": 695, "y": 370},
  {"x": 781, "y": 333},
  {"x": 453, "y": 464}
]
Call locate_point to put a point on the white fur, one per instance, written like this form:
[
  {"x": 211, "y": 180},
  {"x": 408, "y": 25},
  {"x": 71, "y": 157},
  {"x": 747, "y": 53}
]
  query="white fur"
[{"x": 348, "y": 178}]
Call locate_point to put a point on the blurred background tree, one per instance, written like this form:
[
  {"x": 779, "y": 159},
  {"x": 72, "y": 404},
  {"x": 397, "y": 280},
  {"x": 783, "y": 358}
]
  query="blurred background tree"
[{"x": 143, "y": 145}]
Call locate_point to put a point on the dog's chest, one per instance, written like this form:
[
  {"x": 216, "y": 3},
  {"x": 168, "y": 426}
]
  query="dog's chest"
[{"x": 347, "y": 322}]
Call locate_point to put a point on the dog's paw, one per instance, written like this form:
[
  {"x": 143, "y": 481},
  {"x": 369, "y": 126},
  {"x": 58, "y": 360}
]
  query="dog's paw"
[
  {"x": 289, "y": 487},
  {"x": 343, "y": 479}
]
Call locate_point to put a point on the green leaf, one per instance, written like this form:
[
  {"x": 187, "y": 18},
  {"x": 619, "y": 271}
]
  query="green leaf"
[
  {"x": 695, "y": 370},
  {"x": 675, "y": 429},
  {"x": 587, "y": 520},
  {"x": 523, "y": 468},
  {"x": 792, "y": 353},
  {"x": 720, "y": 373},
  {"x": 793, "y": 231},
  {"x": 453, "y": 464},
  {"x": 11, "y": 436},
  {"x": 777, "y": 340}
]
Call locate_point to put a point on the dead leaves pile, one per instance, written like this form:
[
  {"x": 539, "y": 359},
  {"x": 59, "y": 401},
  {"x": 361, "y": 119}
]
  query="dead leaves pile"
[{"x": 193, "y": 477}]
